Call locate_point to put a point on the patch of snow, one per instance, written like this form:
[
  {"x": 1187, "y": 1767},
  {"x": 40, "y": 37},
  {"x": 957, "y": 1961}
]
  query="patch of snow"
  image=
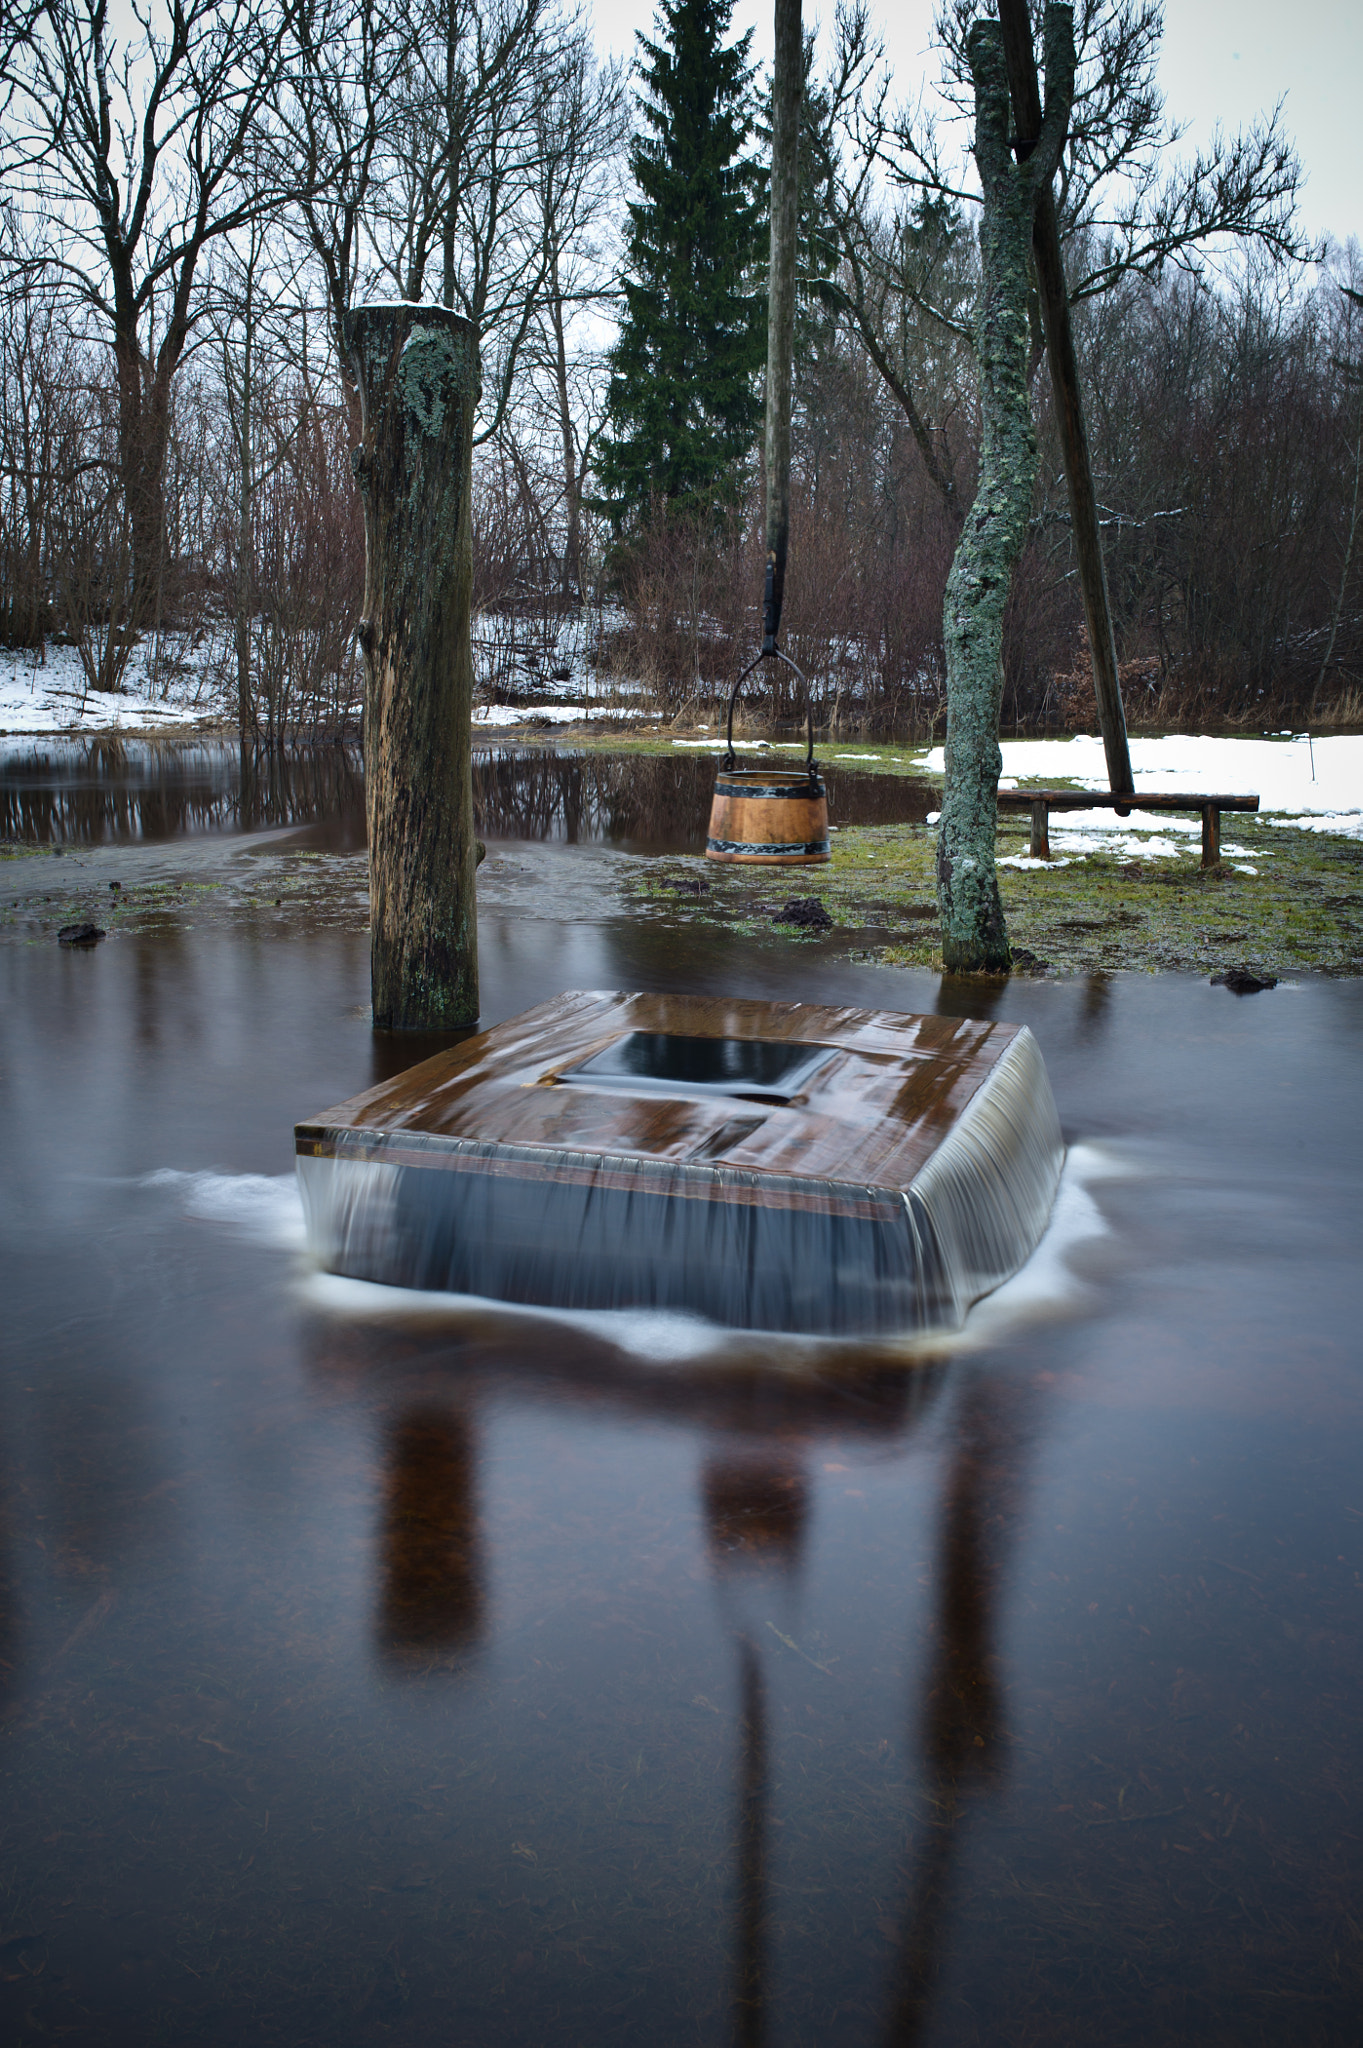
[
  {"x": 554, "y": 714},
  {"x": 49, "y": 695}
]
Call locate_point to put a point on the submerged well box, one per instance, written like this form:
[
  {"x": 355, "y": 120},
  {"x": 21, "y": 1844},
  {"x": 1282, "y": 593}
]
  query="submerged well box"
[{"x": 781, "y": 1166}]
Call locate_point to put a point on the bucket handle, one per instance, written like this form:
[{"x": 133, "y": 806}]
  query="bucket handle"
[{"x": 770, "y": 654}]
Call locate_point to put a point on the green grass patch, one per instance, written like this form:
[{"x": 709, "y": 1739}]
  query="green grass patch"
[{"x": 1302, "y": 910}]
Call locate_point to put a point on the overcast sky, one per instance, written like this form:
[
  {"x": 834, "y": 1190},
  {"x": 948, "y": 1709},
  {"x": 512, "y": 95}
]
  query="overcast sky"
[{"x": 1223, "y": 60}]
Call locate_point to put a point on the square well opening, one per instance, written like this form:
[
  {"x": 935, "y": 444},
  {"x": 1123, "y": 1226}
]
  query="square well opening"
[{"x": 666, "y": 1063}]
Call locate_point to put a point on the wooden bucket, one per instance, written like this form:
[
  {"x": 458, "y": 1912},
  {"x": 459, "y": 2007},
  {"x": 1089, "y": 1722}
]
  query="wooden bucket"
[
  {"x": 769, "y": 816},
  {"x": 766, "y": 815}
]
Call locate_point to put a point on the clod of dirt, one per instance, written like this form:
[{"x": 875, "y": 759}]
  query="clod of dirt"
[
  {"x": 1242, "y": 981},
  {"x": 79, "y": 935},
  {"x": 806, "y": 911}
]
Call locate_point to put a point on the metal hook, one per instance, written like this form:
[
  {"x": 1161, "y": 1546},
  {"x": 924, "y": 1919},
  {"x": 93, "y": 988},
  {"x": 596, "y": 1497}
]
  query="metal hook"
[{"x": 771, "y": 654}]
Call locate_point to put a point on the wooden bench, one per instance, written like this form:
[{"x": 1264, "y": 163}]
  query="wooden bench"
[{"x": 1041, "y": 802}]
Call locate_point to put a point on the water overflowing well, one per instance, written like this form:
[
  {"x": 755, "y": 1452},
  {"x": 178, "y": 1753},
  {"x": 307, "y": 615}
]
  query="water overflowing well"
[{"x": 775, "y": 1166}]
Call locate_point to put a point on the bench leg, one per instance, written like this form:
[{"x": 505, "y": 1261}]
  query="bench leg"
[
  {"x": 1211, "y": 836},
  {"x": 1040, "y": 848}
]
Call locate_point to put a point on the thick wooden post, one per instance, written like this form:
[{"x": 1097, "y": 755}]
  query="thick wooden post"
[
  {"x": 787, "y": 88},
  {"x": 1211, "y": 836},
  {"x": 1055, "y": 317},
  {"x": 416, "y": 368}
]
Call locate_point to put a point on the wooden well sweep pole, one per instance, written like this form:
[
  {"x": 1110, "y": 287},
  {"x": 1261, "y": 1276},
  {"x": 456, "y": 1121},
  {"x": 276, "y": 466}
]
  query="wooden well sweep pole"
[
  {"x": 416, "y": 369},
  {"x": 1055, "y": 316},
  {"x": 787, "y": 88}
]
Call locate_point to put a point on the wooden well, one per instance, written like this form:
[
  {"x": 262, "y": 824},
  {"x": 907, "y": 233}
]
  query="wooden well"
[{"x": 776, "y": 1166}]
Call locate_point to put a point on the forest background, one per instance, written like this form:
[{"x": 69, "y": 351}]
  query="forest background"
[{"x": 193, "y": 193}]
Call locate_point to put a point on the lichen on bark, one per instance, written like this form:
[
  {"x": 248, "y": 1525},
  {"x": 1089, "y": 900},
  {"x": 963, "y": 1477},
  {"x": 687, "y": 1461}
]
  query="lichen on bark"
[
  {"x": 432, "y": 375},
  {"x": 974, "y": 932}
]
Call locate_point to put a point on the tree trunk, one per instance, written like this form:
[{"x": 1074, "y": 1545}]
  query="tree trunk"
[
  {"x": 417, "y": 371},
  {"x": 572, "y": 491},
  {"x": 974, "y": 933},
  {"x": 143, "y": 437}
]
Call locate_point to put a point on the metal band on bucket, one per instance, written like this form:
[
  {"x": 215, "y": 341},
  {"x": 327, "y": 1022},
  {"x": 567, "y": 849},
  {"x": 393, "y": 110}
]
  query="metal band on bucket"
[
  {"x": 785, "y": 792},
  {"x": 768, "y": 849}
]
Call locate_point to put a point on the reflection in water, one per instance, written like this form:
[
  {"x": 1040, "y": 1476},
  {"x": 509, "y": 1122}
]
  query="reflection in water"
[
  {"x": 112, "y": 790},
  {"x": 224, "y": 1821},
  {"x": 431, "y": 1604},
  {"x": 755, "y": 1513},
  {"x": 1095, "y": 1012},
  {"x": 963, "y": 1729},
  {"x": 656, "y": 803},
  {"x": 320, "y": 786},
  {"x": 9, "y": 1615},
  {"x": 970, "y": 995},
  {"x": 752, "y": 1869},
  {"x": 755, "y": 1516}
]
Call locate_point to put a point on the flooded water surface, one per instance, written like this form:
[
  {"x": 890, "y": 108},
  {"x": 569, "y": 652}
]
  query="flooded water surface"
[
  {"x": 113, "y": 791},
  {"x": 387, "y": 1671}
]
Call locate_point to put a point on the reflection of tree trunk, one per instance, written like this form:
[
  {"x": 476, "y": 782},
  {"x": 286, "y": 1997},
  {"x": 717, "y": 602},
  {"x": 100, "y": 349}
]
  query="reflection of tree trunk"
[
  {"x": 752, "y": 1879},
  {"x": 431, "y": 1605},
  {"x": 755, "y": 1513},
  {"x": 248, "y": 800},
  {"x": 418, "y": 371},
  {"x": 963, "y": 1723},
  {"x": 9, "y": 1617}
]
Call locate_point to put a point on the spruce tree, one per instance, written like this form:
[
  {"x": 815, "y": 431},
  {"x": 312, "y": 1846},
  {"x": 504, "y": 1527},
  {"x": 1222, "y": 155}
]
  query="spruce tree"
[{"x": 685, "y": 401}]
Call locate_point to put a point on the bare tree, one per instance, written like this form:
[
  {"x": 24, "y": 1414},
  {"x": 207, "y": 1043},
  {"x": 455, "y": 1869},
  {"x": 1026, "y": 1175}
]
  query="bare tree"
[
  {"x": 434, "y": 138},
  {"x": 139, "y": 152},
  {"x": 462, "y": 186},
  {"x": 582, "y": 136},
  {"x": 1126, "y": 203},
  {"x": 338, "y": 113}
]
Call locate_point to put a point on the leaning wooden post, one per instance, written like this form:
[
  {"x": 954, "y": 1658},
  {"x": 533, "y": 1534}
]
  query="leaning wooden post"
[
  {"x": 787, "y": 90},
  {"x": 416, "y": 368},
  {"x": 1053, "y": 296}
]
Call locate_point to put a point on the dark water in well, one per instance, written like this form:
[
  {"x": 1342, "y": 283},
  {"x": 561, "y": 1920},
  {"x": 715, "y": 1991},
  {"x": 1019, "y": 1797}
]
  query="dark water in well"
[
  {"x": 114, "y": 791},
  {"x": 369, "y": 1681}
]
